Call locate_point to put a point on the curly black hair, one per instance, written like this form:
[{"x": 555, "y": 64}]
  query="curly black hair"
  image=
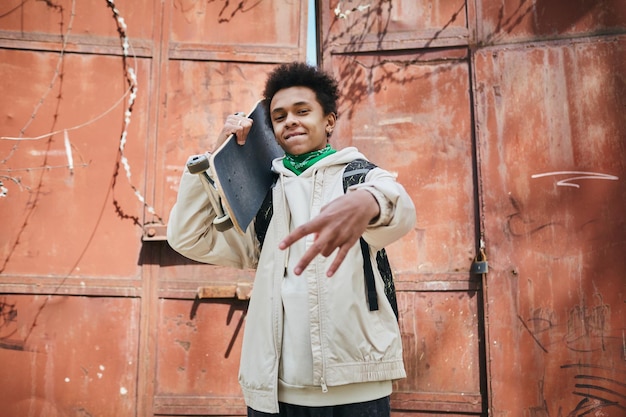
[{"x": 300, "y": 74}]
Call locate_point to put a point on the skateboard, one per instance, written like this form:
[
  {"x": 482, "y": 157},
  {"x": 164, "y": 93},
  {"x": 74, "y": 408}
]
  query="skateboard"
[{"x": 241, "y": 174}]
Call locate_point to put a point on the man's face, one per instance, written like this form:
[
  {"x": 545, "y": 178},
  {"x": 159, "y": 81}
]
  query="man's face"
[{"x": 299, "y": 122}]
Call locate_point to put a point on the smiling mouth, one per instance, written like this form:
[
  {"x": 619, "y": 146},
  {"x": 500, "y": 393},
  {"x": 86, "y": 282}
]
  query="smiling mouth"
[{"x": 292, "y": 135}]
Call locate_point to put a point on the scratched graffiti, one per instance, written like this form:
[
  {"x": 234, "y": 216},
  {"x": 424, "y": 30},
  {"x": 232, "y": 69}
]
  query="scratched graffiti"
[
  {"x": 586, "y": 328},
  {"x": 600, "y": 395},
  {"x": 572, "y": 176},
  {"x": 600, "y": 389}
]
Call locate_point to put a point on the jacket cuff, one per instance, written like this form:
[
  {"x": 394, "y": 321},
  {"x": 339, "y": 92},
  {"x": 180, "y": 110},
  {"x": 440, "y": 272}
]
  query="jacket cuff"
[{"x": 385, "y": 206}]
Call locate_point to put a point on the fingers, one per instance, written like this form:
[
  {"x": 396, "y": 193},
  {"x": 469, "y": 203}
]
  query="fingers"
[
  {"x": 297, "y": 234},
  {"x": 325, "y": 242},
  {"x": 242, "y": 127},
  {"x": 239, "y": 125},
  {"x": 293, "y": 237},
  {"x": 236, "y": 124},
  {"x": 341, "y": 255},
  {"x": 324, "y": 250},
  {"x": 337, "y": 228},
  {"x": 305, "y": 261}
]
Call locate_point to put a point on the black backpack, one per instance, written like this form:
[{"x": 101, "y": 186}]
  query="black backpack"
[{"x": 354, "y": 173}]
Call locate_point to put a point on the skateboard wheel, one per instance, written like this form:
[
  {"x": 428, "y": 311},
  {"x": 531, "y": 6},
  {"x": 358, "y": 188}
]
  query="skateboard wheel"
[
  {"x": 223, "y": 223},
  {"x": 198, "y": 164}
]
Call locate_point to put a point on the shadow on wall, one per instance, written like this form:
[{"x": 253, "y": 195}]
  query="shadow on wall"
[
  {"x": 367, "y": 74},
  {"x": 550, "y": 18},
  {"x": 561, "y": 16}
]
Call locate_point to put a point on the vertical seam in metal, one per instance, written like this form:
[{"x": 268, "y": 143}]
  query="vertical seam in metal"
[{"x": 482, "y": 310}]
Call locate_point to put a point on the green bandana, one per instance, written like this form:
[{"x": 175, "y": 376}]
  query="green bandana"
[{"x": 300, "y": 163}]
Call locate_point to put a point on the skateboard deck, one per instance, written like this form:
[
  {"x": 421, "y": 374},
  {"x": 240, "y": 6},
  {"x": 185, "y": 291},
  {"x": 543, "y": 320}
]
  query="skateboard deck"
[{"x": 242, "y": 173}]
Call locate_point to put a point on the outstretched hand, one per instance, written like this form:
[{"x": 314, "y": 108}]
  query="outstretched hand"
[
  {"x": 338, "y": 226},
  {"x": 236, "y": 124}
]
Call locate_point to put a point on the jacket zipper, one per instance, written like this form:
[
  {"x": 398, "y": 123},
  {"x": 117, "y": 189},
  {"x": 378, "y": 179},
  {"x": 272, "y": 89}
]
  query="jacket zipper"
[
  {"x": 323, "y": 377},
  {"x": 288, "y": 221},
  {"x": 324, "y": 387}
]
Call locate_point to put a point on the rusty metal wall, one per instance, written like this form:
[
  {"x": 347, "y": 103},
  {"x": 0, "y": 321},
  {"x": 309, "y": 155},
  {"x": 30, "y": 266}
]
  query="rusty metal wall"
[
  {"x": 537, "y": 88},
  {"x": 97, "y": 313},
  {"x": 550, "y": 84},
  {"x": 219, "y": 55},
  {"x": 68, "y": 355},
  {"x": 405, "y": 74},
  {"x": 70, "y": 306},
  {"x": 486, "y": 110}
]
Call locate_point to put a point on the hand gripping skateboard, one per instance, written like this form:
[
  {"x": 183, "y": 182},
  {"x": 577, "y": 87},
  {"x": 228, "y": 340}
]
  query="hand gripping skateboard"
[{"x": 241, "y": 174}]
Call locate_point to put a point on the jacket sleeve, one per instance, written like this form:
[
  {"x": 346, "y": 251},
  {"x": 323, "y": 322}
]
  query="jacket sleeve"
[
  {"x": 190, "y": 229},
  {"x": 397, "y": 211}
]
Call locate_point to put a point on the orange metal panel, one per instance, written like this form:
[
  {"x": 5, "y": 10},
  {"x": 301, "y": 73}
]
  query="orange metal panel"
[
  {"x": 392, "y": 25},
  {"x": 507, "y": 21},
  {"x": 79, "y": 230},
  {"x": 68, "y": 196},
  {"x": 68, "y": 356},
  {"x": 218, "y": 55},
  {"x": 551, "y": 150},
  {"x": 200, "y": 96},
  {"x": 413, "y": 118},
  {"x": 410, "y": 113},
  {"x": 248, "y": 30},
  {"x": 84, "y": 20},
  {"x": 440, "y": 339},
  {"x": 199, "y": 345}
]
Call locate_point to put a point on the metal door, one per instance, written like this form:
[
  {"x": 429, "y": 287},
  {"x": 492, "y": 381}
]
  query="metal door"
[
  {"x": 71, "y": 285},
  {"x": 550, "y": 105},
  {"x": 218, "y": 55},
  {"x": 405, "y": 76},
  {"x": 486, "y": 110},
  {"x": 102, "y": 102},
  {"x": 540, "y": 85}
]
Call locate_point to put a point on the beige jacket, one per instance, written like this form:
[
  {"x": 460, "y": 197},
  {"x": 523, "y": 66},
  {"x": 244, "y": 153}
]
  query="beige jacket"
[{"x": 349, "y": 343}]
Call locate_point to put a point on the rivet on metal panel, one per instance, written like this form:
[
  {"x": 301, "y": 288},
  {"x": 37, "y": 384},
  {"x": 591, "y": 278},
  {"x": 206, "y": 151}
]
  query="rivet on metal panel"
[{"x": 154, "y": 232}]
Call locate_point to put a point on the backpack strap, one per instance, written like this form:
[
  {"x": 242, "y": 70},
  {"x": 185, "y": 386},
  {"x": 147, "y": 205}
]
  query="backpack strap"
[
  {"x": 385, "y": 272},
  {"x": 355, "y": 173},
  {"x": 382, "y": 262}
]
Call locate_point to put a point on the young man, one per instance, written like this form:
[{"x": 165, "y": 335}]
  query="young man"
[{"x": 311, "y": 346}]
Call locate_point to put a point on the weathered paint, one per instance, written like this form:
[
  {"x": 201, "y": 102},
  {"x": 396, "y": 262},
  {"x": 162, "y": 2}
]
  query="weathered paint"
[
  {"x": 485, "y": 110},
  {"x": 512, "y": 21},
  {"x": 550, "y": 128},
  {"x": 75, "y": 217},
  {"x": 552, "y": 155},
  {"x": 68, "y": 355},
  {"x": 198, "y": 355},
  {"x": 410, "y": 112}
]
